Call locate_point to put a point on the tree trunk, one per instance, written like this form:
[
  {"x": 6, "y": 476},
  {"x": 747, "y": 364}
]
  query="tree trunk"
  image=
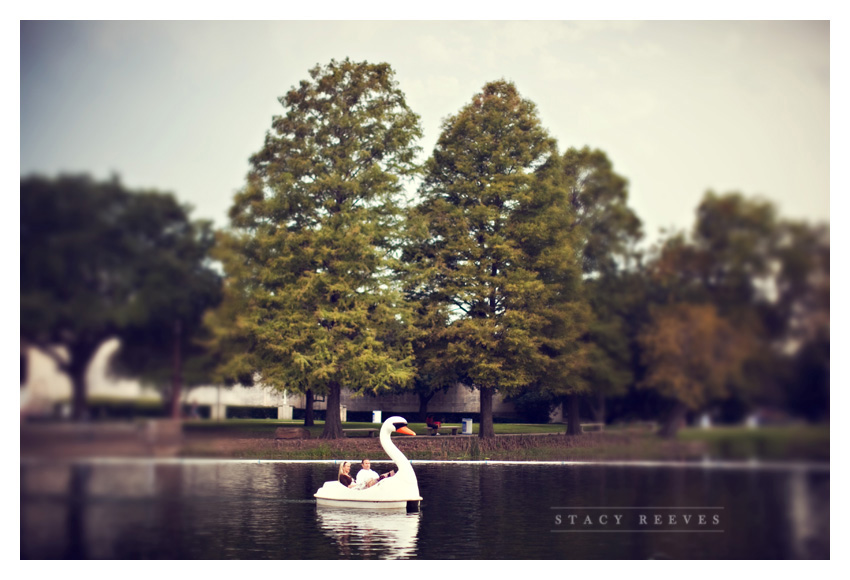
[
  {"x": 573, "y": 421},
  {"x": 423, "y": 406},
  {"x": 675, "y": 420},
  {"x": 308, "y": 408},
  {"x": 599, "y": 409},
  {"x": 24, "y": 367},
  {"x": 81, "y": 354},
  {"x": 176, "y": 373},
  {"x": 333, "y": 425},
  {"x": 485, "y": 429},
  {"x": 79, "y": 405}
]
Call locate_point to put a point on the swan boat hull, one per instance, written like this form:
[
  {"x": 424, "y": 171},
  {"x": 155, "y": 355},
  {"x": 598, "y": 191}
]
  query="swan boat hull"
[
  {"x": 380, "y": 496},
  {"x": 401, "y": 491},
  {"x": 412, "y": 505}
]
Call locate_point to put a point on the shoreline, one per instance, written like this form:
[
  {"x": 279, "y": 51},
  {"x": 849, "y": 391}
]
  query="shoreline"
[
  {"x": 726, "y": 465},
  {"x": 170, "y": 440}
]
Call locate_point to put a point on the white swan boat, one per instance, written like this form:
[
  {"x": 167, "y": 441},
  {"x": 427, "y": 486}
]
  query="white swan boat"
[{"x": 401, "y": 491}]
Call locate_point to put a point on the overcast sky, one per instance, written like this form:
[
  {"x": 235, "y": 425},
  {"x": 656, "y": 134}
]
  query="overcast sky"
[{"x": 679, "y": 107}]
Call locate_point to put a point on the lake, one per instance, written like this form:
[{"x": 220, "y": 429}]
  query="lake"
[{"x": 219, "y": 509}]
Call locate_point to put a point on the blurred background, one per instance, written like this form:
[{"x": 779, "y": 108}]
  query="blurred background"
[
  {"x": 694, "y": 158},
  {"x": 703, "y": 146}
]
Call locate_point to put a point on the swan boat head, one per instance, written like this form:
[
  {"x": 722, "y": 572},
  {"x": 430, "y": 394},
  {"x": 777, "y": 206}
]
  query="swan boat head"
[{"x": 401, "y": 491}]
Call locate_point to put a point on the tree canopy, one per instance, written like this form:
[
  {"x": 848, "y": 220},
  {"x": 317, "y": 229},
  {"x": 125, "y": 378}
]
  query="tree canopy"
[
  {"x": 99, "y": 261},
  {"x": 495, "y": 247},
  {"x": 598, "y": 197},
  {"x": 515, "y": 269},
  {"x": 692, "y": 355},
  {"x": 607, "y": 231},
  {"x": 315, "y": 232}
]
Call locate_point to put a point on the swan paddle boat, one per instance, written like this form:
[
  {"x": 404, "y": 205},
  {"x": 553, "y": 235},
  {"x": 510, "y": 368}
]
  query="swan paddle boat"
[{"x": 401, "y": 491}]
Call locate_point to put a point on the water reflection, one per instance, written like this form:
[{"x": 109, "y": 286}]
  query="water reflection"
[
  {"x": 149, "y": 510},
  {"x": 808, "y": 513},
  {"x": 371, "y": 534}
]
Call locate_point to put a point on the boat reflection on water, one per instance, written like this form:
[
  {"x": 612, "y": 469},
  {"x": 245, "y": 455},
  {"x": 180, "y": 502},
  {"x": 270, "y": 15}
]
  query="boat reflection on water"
[{"x": 371, "y": 533}]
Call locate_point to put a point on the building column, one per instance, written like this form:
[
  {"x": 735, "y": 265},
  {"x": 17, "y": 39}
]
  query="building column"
[{"x": 218, "y": 412}]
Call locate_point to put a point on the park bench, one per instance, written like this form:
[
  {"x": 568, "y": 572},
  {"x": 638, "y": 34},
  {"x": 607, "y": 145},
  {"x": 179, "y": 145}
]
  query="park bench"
[
  {"x": 434, "y": 430},
  {"x": 370, "y": 432},
  {"x": 585, "y": 427}
]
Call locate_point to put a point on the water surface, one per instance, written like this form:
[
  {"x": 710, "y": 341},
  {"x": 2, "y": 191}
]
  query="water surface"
[{"x": 245, "y": 510}]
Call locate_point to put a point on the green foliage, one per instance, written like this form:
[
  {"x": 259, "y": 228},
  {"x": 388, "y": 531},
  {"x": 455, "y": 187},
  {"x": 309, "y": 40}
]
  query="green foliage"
[
  {"x": 311, "y": 266},
  {"x": 801, "y": 309},
  {"x": 793, "y": 442},
  {"x": 533, "y": 406},
  {"x": 598, "y": 198},
  {"x": 607, "y": 232},
  {"x": 492, "y": 249},
  {"x": 179, "y": 287},
  {"x": 729, "y": 258},
  {"x": 99, "y": 261}
]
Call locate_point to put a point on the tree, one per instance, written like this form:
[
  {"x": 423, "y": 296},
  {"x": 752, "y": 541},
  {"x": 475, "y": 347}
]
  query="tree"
[
  {"x": 316, "y": 229},
  {"x": 736, "y": 239},
  {"x": 769, "y": 275},
  {"x": 493, "y": 247},
  {"x": 800, "y": 312},
  {"x": 99, "y": 261},
  {"x": 598, "y": 197},
  {"x": 799, "y": 317},
  {"x": 692, "y": 355},
  {"x": 608, "y": 231},
  {"x": 724, "y": 263},
  {"x": 179, "y": 285},
  {"x": 617, "y": 301},
  {"x": 433, "y": 375}
]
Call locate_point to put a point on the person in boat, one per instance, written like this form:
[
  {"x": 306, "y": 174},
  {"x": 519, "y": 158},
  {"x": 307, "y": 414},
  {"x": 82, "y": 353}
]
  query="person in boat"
[
  {"x": 345, "y": 476},
  {"x": 368, "y": 477}
]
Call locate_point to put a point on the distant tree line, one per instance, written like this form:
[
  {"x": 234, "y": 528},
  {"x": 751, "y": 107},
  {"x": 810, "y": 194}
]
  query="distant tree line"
[
  {"x": 513, "y": 269},
  {"x": 98, "y": 262}
]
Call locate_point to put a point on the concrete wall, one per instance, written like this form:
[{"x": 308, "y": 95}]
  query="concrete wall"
[
  {"x": 45, "y": 386},
  {"x": 458, "y": 399}
]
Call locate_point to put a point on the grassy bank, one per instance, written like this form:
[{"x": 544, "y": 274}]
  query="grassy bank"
[
  {"x": 254, "y": 439},
  {"x": 259, "y": 428},
  {"x": 555, "y": 447},
  {"x": 796, "y": 442}
]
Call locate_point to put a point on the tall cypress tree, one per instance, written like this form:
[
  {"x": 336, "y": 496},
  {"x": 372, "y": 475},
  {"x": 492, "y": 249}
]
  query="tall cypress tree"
[
  {"x": 609, "y": 230},
  {"x": 495, "y": 248},
  {"x": 316, "y": 227}
]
